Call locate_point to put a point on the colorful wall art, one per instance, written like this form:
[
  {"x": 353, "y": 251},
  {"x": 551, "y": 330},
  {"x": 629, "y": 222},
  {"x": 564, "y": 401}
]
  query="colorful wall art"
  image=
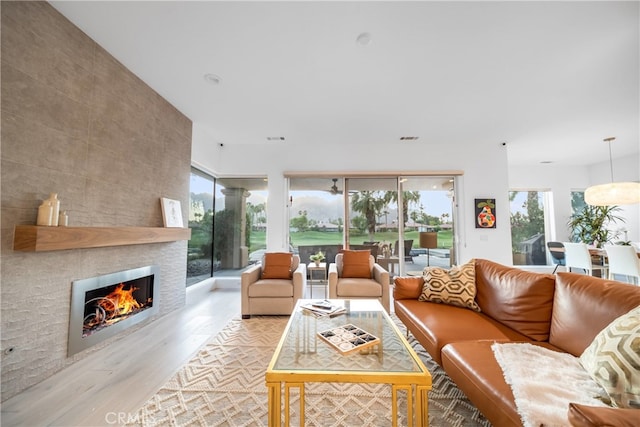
[{"x": 485, "y": 216}]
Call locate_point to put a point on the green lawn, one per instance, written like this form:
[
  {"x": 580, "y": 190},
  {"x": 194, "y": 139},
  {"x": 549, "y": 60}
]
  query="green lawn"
[{"x": 312, "y": 238}]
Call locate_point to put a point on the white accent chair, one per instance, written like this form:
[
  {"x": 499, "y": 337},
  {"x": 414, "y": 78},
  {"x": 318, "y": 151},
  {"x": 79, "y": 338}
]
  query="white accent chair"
[
  {"x": 272, "y": 296},
  {"x": 359, "y": 288},
  {"x": 577, "y": 256},
  {"x": 624, "y": 261}
]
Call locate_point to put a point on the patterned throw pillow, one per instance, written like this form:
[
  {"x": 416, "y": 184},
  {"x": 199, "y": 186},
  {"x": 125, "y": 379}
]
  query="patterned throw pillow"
[
  {"x": 456, "y": 286},
  {"x": 276, "y": 265},
  {"x": 613, "y": 360}
]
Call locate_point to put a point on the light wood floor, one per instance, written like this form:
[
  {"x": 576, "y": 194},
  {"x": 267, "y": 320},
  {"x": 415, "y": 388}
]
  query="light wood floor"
[{"x": 118, "y": 380}]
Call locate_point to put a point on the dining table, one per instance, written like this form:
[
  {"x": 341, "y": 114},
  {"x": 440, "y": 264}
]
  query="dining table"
[
  {"x": 601, "y": 252},
  {"x": 594, "y": 251}
]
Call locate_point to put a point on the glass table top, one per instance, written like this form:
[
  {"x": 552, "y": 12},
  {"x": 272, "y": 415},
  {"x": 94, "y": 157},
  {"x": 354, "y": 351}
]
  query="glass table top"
[{"x": 302, "y": 349}]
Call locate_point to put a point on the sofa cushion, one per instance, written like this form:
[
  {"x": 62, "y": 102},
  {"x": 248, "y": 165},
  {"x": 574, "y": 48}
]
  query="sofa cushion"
[
  {"x": 585, "y": 305},
  {"x": 613, "y": 360},
  {"x": 436, "y": 325},
  {"x": 276, "y": 265},
  {"x": 455, "y": 286},
  {"x": 358, "y": 287},
  {"x": 271, "y": 288},
  {"x": 407, "y": 287},
  {"x": 474, "y": 369},
  {"x": 355, "y": 264},
  {"x": 517, "y": 298}
]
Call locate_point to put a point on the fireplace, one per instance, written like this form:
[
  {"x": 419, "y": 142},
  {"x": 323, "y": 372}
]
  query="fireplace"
[{"x": 103, "y": 306}]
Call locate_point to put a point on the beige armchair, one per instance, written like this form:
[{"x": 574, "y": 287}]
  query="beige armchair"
[
  {"x": 273, "y": 287},
  {"x": 350, "y": 283}
]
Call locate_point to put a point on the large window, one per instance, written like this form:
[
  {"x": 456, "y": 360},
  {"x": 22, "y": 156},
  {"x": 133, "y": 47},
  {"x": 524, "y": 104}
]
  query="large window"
[
  {"x": 528, "y": 239},
  {"x": 199, "y": 252},
  {"x": 577, "y": 202},
  {"x": 228, "y": 218},
  {"x": 239, "y": 231}
]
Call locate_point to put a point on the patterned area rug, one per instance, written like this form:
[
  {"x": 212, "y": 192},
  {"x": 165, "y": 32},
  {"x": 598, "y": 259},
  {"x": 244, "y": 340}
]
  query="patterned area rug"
[{"x": 223, "y": 385}]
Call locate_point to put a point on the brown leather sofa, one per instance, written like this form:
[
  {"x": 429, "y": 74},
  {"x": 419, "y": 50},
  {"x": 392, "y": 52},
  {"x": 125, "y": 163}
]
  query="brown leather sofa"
[{"x": 562, "y": 312}]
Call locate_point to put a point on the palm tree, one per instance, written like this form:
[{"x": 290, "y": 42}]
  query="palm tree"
[
  {"x": 407, "y": 198},
  {"x": 252, "y": 211},
  {"x": 256, "y": 212},
  {"x": 369, "y": 204}
]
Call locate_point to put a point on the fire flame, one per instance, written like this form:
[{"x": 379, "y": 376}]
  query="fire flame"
[
  {"x": 111, "y": 308},
  {"x": 120, "y": 301}
]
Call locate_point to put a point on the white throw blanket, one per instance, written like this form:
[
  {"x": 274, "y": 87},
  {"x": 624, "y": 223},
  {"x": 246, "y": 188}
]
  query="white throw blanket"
[{"x": 544, "y": 382}]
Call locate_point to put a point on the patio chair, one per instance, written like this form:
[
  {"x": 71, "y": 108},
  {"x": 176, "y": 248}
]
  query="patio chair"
[{"x": 408, "y": 244}]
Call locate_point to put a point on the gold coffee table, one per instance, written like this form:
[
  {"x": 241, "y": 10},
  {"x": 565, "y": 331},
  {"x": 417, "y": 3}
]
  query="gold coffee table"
[{"x": 303, "y": 357}]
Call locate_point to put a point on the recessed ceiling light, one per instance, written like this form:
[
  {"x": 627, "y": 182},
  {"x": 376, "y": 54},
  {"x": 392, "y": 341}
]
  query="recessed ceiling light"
[
  {"x": 408, "y": 138},
  {"x": 363, "y": 39},
  {"x": 212, "y": 78}
]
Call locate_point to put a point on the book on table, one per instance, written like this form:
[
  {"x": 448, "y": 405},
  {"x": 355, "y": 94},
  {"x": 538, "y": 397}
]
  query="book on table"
[{"x": 323, "y": 308}]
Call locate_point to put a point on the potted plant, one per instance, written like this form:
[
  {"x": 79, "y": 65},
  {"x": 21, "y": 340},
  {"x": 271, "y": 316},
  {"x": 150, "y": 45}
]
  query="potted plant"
[
  {"x": 317, "y": 257},
  {"x": 590, "y": 224}
]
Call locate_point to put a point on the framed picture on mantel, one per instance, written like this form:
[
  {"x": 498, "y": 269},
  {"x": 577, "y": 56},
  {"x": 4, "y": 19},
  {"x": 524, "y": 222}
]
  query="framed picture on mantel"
[{"x": 171, "y": 212}]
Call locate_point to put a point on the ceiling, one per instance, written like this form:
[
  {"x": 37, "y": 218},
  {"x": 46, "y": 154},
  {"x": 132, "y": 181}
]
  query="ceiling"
[{"x": 551, "y": 79}]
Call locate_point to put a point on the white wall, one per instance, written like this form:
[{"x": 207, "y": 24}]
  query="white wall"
[{"x": 484, "y": 167}]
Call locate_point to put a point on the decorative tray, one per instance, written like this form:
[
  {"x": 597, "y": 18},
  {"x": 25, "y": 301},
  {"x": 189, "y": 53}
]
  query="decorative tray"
[{"x": 348, "y": 338}]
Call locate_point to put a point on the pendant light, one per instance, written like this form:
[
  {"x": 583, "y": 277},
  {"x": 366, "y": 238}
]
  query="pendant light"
[{"x": 615, "y": 193}]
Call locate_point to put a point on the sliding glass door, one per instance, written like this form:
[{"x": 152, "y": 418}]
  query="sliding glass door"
[
  {"x": 316, "y": 217},
  {"x": 373, "y": 219},
  {"x": 384, "y": 214},
  {"x": 405, "y": 209},
  {"x": 428, "y": 221}
]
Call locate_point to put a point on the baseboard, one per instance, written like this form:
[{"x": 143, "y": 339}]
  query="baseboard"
[{"x": 199, "y": 290}]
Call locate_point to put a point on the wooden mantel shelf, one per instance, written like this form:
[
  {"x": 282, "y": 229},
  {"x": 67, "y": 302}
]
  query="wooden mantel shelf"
[{"x": 33, "y": 238}]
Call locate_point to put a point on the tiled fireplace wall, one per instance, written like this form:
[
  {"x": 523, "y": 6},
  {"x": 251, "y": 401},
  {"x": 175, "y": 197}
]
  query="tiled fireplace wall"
[{"x": 77, "y": 122}]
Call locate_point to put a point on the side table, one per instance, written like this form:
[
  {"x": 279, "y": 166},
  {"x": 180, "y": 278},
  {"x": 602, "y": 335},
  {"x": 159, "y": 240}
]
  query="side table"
[{"x": 321, "y": 267}]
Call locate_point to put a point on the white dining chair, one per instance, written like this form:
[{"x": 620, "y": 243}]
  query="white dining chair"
[
  {"x": 623, "y": 261},
  {"x": 577, "y": 256}
]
